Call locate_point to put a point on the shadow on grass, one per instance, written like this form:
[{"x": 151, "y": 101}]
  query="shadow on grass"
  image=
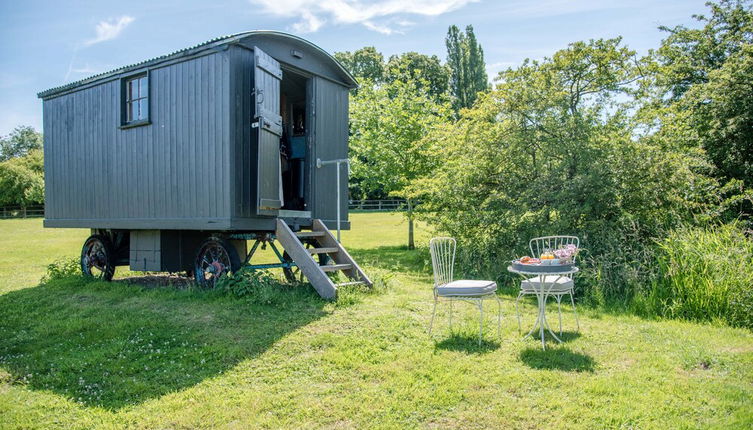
[
  {"x": 467, "y": 343},
  {"x": 394, "y": 258},
  {"x": 568, "y": 336},
  {"x": 557, "y": 359},
  {"x": 112, "y": 344}
]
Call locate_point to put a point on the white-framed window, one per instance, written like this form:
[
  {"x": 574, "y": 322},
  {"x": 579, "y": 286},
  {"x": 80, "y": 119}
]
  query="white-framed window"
[{"x": 136, "y": 99}]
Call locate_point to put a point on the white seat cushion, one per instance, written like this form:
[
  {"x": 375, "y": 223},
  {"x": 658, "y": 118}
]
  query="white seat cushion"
[
  {"x": 562, "y": 284},
  {"x": 467, "y": 288}
]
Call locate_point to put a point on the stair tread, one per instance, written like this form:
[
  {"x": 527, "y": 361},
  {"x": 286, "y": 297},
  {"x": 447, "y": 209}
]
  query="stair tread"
[
  {"x": 323, "y": 250},
  {"x": 334, "y": 267},
  {"x": 343, "y": 284},
  {"x": 310, "y": 234}
]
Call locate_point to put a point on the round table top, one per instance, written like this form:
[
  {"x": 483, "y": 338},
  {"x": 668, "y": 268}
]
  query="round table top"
[{"x": 570, "y": 271}]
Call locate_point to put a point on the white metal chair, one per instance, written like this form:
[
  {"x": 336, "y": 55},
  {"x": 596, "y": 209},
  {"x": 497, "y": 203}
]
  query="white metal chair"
[
  {"x": 443, "y": 262},
  {"x": 564, "y": 285}
]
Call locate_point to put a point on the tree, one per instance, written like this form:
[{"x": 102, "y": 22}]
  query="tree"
[
  {"x": 552, "y": 150},
  {"x": 22, "y": 180},
  {"x": 366, "y": 63},
  {"x": 688, "y": 55},
  {"x": 419, "y": 68},
  {"x": 388, "y": 153},
  {"x": 465, "y": 58},
  {"x": 721, "y": 114},
  {"x": 19, "y": 142},
  {"x": 702, "y": 86}
]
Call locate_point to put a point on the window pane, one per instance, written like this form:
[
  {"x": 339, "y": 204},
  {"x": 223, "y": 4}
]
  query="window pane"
[
  {"x": 136, "y": 103},
  {"x": 143, "y": 87},
  {"x": 143, "y": 109},
  {"x": 135, "y": 84}
]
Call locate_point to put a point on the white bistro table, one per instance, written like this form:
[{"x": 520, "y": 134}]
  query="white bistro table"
[{"x": 542, "y": 290}]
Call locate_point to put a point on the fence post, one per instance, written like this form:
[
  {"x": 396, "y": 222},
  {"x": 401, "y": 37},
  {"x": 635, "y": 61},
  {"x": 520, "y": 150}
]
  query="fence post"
[{"x": 23, "y": 211}]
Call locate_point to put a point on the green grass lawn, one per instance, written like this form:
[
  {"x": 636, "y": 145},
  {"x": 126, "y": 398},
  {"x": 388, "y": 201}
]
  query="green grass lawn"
[{"x": 77, "y": 354}]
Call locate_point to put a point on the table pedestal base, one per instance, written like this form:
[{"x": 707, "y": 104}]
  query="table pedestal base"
[{"x": 541, "y": 322}]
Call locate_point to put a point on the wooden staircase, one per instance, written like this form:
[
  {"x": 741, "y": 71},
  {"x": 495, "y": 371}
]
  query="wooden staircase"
[{"x": 323, "y": 244}]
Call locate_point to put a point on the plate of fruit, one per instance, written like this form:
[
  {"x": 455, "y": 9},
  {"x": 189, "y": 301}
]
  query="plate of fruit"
[{"x": 549, "y": 261}]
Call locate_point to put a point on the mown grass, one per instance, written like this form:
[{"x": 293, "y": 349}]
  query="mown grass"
[{"x": 76, "y": 354}]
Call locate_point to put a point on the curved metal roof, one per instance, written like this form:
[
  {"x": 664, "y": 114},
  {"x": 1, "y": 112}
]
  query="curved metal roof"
[{"x": 219, "y": 41}]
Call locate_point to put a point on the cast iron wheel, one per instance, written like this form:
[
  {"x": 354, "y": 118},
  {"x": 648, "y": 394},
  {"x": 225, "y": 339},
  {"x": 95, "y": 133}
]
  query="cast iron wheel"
[
  {"x": 215, "y": 258},
  {"x": 294, "y": 274},
  {"x": 98, "y": 258}
]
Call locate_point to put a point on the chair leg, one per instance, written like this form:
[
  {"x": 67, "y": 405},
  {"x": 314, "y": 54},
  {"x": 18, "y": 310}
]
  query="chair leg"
[
  {"x": 451, "y": 302},
  {"x": 434, "y": 311},
  {"x": 572, "y": 300},
  {"x": 480, "y": 321},
  {"x": 517, "y": 311},
  {"x": 559, "y": 311},
  {"x": 499, "y": 317}
]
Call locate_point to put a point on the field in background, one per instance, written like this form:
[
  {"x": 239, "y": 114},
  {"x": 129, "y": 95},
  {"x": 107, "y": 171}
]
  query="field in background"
[
  {"x": 26, "y": 248},
  {"x": 91, "y": 355}
]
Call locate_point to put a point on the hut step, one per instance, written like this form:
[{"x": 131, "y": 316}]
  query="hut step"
[
  {"x": 336, "y": 267},
  {"x": 325, "y": 250},
  {"x": 309, "y": 234},
  {"x": 345, "y": 284},
  {"x": 324, "y": 242}
]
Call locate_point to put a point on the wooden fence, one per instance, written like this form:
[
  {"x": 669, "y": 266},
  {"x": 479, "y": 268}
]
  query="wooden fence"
[
  {"x": 20, "y": 212},
  {"x": 376, "y": 205}
]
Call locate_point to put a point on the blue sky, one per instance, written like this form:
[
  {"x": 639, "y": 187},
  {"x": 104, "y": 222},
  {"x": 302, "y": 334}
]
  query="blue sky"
[{"x": 48, "y": 43}]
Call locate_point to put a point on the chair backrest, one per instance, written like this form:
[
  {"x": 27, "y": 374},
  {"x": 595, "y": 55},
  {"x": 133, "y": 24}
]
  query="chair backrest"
[
  {"x": 537, "y": 245},
  {"x": 442, "y": 259}
]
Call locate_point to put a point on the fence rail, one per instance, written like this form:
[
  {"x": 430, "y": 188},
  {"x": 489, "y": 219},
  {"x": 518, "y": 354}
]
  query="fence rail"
[
  {"x": 21, "y": 212},
  {"x": 377, "y": 205}
]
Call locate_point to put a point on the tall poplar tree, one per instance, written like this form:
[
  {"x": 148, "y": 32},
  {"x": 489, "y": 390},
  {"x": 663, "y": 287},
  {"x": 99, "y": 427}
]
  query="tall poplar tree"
[{"x": 465, "y": 57}]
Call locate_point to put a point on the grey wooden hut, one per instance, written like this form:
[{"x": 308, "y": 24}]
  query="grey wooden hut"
[{"x": 175, "y": 162}]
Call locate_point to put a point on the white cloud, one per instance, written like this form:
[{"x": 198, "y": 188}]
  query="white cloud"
[
  {"x": 310, "y": 23},
  {"x": 384, "y": 29},
  {"x": 109, "y": 29},
  {"x": 316, "y": 13}
]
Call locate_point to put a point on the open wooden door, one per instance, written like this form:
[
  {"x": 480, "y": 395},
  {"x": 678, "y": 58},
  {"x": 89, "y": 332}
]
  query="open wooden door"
[
  {"x": 268, "y": 129},
  {"x": 331, "y": 143}
]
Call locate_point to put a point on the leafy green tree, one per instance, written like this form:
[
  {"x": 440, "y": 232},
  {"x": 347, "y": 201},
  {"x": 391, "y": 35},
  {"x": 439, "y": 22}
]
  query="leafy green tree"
[
  {"x": 19, "y": 142},
  {"x": 552, "y": 150},
  {"x": 419, "y": 68},
  {"x": 366, "y": 63},
  {"x": 701, "y": 90},
  {"x": 721, "y": 115},
  {"x": 465, "y": 58},
  {"x": 388, "y": 124},
  {"x": 688, "y": 55},
  {"x": 22, "y": 180}
]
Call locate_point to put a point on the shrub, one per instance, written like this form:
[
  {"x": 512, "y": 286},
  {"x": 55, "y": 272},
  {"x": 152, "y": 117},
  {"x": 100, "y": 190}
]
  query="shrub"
[
  {"x": 258, "y": 286},
  {"x": 61, "y": 269},
  {"x": 705, "y": 274},
  {"x": 262, "y": 287},
  {"x": 554, "y": 149}
]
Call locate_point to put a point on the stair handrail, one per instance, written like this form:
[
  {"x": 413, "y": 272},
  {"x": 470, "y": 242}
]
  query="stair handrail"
[{"x": 337, "y": 162}]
